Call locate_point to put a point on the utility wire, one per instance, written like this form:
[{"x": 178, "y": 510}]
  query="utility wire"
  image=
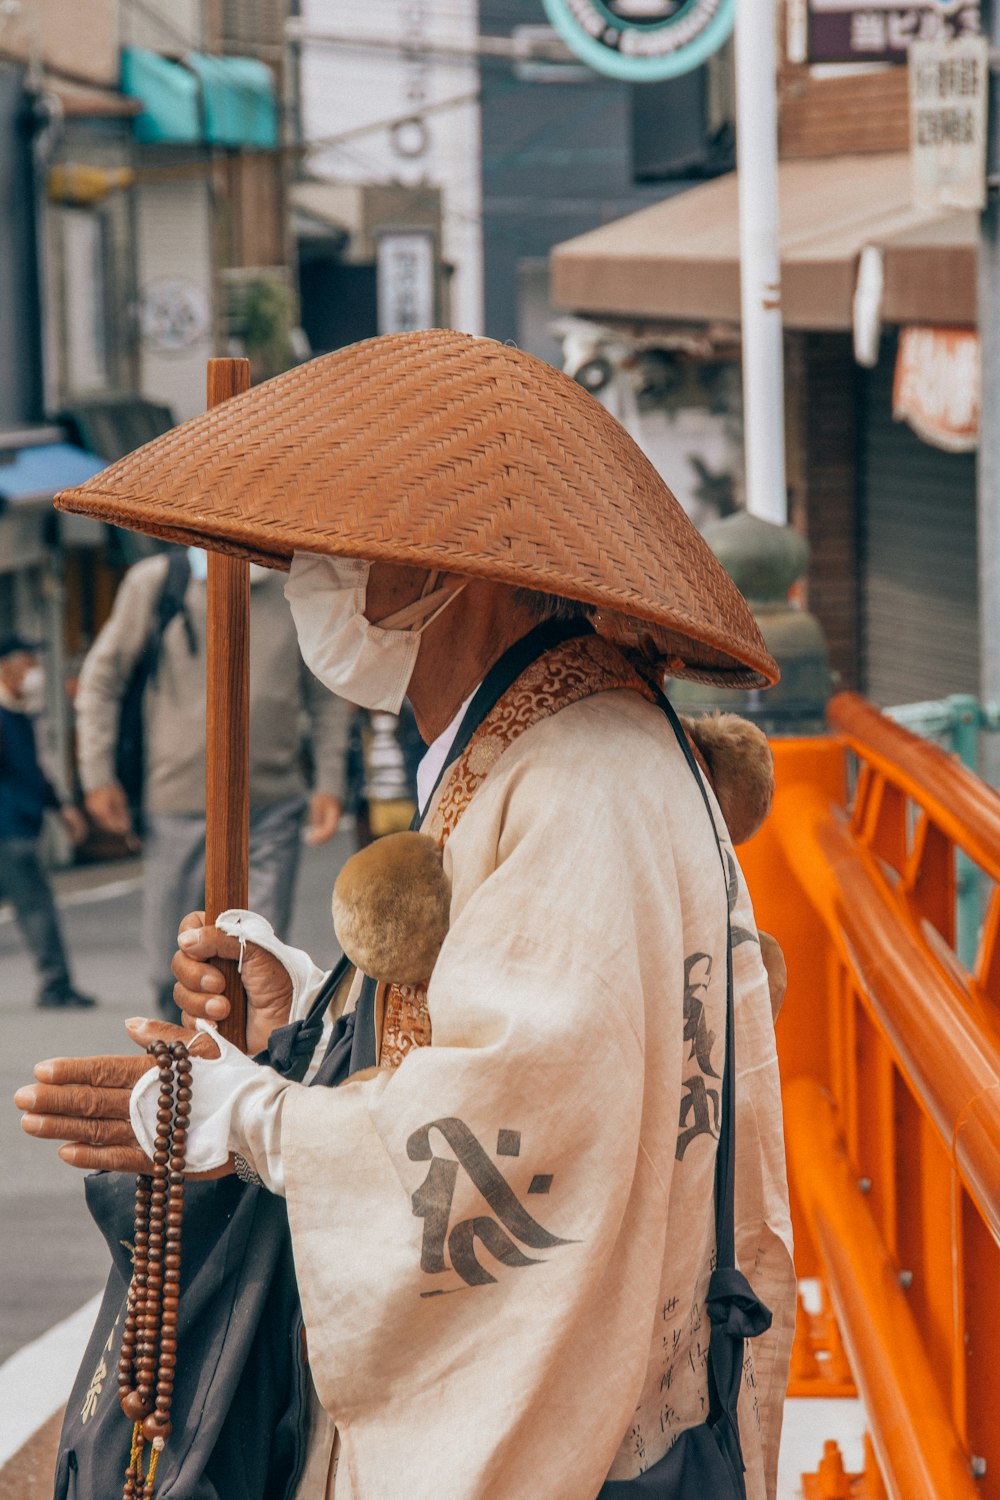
[{"x": 495, "y": 48}]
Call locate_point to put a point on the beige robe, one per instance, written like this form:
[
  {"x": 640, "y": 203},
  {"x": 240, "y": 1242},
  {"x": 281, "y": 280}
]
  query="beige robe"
[{"x": 503, "y": 1246}]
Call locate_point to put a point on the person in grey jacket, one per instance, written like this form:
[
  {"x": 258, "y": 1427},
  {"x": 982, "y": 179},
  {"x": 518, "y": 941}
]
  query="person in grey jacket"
[{"x": 286, "y": 704}]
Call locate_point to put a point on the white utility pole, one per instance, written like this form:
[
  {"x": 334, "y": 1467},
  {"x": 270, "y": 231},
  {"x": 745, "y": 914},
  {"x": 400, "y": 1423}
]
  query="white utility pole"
[{"x": 760, "y": 262}]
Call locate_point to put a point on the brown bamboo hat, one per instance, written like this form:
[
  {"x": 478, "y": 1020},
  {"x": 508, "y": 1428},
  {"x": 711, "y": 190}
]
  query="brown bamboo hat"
[{"x": 452, "y": 452}]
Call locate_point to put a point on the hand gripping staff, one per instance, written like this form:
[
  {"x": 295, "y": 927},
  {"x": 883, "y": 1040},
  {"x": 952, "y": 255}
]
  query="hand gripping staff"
[{"x": 148, "y": 1356}]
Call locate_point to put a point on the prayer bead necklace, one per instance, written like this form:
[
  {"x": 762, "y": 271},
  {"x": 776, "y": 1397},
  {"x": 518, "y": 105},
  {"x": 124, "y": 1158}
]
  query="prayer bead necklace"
[{"x": 149, "y": 1344}]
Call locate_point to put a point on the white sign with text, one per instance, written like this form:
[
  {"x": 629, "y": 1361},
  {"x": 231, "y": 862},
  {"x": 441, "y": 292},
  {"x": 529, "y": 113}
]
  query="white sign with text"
[
  {"x": 405, "y": 271},
  {"x": 948, "y": 91}
]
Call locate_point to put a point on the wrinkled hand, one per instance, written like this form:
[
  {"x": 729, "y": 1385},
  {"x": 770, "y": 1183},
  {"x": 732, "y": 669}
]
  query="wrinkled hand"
[
  {"x": 83, "y": 1101},
  {"x": 324, "y": 818},
  {"x": 199, "y": 986},
  {"x": 108, "y": 806}
]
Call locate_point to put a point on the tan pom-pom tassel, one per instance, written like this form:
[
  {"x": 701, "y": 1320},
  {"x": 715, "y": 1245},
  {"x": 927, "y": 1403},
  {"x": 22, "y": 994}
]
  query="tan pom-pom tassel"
[
  {"x": 740, "y": 767},
  {"x": 391, "y": 908}
]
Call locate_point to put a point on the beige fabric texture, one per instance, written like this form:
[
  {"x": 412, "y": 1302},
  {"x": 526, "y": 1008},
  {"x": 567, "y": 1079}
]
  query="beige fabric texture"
[{"x": 578, "y": 1009}]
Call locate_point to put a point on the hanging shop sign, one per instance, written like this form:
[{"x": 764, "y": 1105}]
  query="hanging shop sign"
[
  {"x": 642, "y": 40},
  {"x": 406, "y": 280},
  {"x": 884, "y": 30},
  {"x": 936, "y": 388},
  {"x": 948, "y": 92}
]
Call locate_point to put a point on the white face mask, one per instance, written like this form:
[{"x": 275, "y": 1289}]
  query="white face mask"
[
  {"x": 370, "y": 665},
  {"x": 33, "y": 690}
]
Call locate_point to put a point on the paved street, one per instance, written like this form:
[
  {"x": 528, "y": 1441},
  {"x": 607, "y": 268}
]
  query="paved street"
[{"x": 52, "y": 1259}]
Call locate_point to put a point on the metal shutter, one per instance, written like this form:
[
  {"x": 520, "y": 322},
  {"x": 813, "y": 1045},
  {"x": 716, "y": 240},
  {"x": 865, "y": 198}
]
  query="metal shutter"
[
  {"x": 174, "y": 222},
  {"x": 918, "y": 518}
]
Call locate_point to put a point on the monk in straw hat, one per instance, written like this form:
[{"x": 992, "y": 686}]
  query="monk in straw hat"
[{"x": 507, "y": 1137}]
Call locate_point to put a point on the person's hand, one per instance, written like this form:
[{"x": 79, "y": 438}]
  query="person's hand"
[
  {"x": 83, "y": 1101},
  {"x": 199, "y": 986},
  {"x": 324, "y": 818},
  {"x": 108, "y": 806},
  {"x": 75, "y": 822}
]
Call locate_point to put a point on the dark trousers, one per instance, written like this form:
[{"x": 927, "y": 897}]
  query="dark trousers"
[{"x": 25, "y": 885}]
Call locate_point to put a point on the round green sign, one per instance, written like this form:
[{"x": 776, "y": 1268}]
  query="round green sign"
[{"x": 642, "y": 40}]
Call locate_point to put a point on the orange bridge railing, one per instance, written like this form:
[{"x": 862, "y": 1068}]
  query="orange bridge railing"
[{"x": 890, "y": 1056}]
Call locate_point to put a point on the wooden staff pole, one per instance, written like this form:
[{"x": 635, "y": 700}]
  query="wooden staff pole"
[{"x": 227, "y": 723}]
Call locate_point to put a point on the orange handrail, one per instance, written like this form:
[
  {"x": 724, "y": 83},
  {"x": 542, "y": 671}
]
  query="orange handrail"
[
  {"x": 942, "y": 1040},
  {"x": 960, "y": 803},
  {"x": 890, "y": 1054},
  {"x": 887, "y": 1354}
]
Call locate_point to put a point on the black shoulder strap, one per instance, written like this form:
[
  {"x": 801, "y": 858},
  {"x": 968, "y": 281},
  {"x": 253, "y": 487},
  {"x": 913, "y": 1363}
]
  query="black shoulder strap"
[
  {"x": 502, "y": 675},
  {"x": 170, "y": 602},
  {"x": 725, "y": 1158},
  {"x": 735, "y": 1312}
]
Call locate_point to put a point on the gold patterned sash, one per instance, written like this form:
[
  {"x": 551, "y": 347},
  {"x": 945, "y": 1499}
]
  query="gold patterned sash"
[{"x": 573, "y": 670}]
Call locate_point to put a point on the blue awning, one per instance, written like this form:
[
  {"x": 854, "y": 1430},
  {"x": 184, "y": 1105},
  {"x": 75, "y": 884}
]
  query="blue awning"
[
  {"x": 218, "y": 101},
  {"x": 38, "y": 473},
  {"x": 169, "y": 95},
  {"x": 238, "y": 100}
]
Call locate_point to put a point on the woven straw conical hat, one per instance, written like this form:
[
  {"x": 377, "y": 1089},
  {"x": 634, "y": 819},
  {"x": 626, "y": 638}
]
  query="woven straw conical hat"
[{"x": 451, "y": 452}]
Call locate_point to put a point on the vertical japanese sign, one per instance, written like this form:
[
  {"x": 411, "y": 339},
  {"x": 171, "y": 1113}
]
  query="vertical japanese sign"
[
  {"x": 948, "y": 93},
  {"x": 884, "y": 30},
  {"x": 405, "y": 281}
]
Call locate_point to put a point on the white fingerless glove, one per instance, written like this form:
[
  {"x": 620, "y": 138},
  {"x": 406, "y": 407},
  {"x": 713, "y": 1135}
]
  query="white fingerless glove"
[
  {"x": 251, "y": 927},
  {"x": 235, "y": 1106}
]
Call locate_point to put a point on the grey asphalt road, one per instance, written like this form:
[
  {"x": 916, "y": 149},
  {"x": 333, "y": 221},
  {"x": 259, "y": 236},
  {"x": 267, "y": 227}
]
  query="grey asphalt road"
[{"x": 52, "y": 1258}]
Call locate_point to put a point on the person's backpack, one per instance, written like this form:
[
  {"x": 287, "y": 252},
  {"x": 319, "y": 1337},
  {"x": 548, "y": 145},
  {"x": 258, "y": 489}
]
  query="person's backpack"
[{"x": 129, "y": 750}]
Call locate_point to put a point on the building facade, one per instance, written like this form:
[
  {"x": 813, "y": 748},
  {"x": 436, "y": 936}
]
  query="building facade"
[
  {"x": 889, "y": 510},
  {"x": 145, "y": 166}
]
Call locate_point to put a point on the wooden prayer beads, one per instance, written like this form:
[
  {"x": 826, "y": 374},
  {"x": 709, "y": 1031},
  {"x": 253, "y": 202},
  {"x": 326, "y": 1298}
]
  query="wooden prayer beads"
[{"x": 149, "y": 1343}]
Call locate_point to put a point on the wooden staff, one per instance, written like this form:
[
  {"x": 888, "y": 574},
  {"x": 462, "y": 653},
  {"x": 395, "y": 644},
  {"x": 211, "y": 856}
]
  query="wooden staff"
[{"x": 227, "y": 724}]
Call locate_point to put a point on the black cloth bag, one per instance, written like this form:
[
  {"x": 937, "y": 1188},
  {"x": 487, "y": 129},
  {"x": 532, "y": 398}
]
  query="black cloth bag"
[
  {"x": 241, "y": 1381},
  {"x": 241, "y": 1394}
]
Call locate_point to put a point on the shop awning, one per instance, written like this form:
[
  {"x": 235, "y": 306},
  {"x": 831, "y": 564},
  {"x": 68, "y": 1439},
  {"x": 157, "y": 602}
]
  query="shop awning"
[
  {"x": 39, "y": 471},
  {"x": 218, "y": 101},
  {"x": 169, "y": 95},
  {"x": 238, "y": 100},
  {"x": 679, "y": 259}
]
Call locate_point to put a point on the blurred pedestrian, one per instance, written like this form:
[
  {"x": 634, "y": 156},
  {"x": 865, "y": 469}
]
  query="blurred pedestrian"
[
  {"x": 25, "y": 793},
  {"x": 383, "y": 752},
  {"x": 287, "y": 704}
]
